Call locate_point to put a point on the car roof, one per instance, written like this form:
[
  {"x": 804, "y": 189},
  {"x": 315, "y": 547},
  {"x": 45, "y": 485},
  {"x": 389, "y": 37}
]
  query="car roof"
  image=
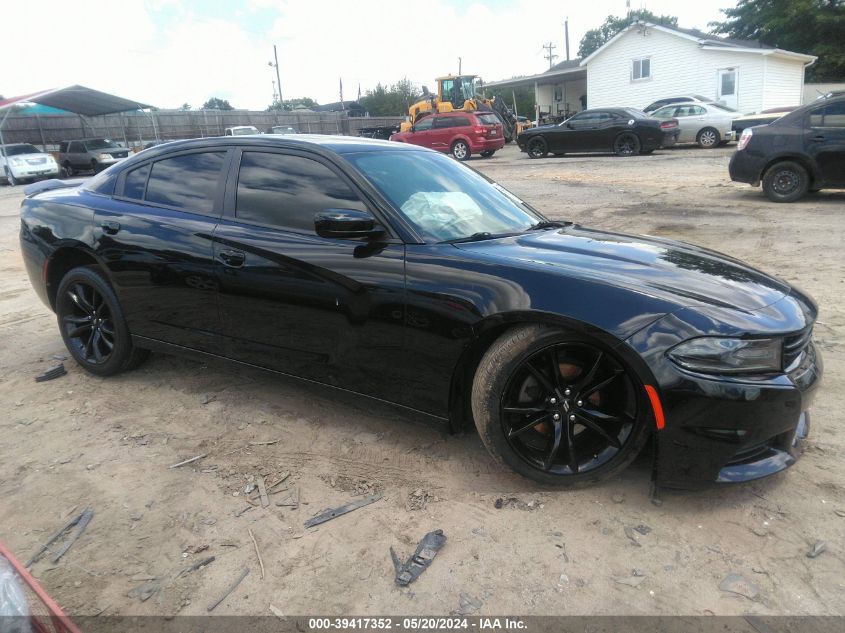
[{"x": 336, "y": 144}]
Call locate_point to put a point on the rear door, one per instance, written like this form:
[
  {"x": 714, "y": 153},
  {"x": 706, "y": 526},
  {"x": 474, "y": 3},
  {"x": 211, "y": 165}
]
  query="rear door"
[
  {"x": 444, "y": 130},
  {"x": 825, "y": 142},
  {"x": 77, "y": 155},
  {"x": 155, "y": 236},
  {"x": 325, "y": 309}
]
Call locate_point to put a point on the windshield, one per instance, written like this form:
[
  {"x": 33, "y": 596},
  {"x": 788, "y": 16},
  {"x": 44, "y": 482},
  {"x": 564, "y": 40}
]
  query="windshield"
[
  {"x": 443, "y": 199},
  {"x": 101, "y": 143},
  {"x": 17, "y": 150},
  {"x": 721, "y": 107},
  {"x": 488, "y": 119},
  {"x": 664, "y": 113},
  {"x": 240, "y": 131}
]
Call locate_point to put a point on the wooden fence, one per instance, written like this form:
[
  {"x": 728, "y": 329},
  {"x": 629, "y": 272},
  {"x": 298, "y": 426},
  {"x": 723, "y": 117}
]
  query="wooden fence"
[{"x": 137, "y": 128}]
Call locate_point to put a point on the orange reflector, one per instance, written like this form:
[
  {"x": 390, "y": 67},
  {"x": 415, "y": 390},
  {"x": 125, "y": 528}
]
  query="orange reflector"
[{"x": 656, "y": 406}]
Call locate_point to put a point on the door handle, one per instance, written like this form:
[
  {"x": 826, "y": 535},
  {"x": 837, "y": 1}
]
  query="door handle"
[
  {"x": 818, "y": 138},
  {"x": 110, "y": 226},
  {"x": 233, "y": 259}
]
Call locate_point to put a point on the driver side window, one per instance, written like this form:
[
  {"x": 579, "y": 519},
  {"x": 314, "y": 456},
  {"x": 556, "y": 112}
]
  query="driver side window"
[{"x": 424, "y": 125}]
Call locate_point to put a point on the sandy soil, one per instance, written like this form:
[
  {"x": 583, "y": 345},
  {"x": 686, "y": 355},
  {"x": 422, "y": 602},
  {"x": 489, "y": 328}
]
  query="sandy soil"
[{"x": 81, "y": 440}]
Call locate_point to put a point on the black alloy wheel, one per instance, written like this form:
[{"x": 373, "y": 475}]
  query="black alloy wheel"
[
  {"x": 92, "y": 324},
  {"x": 626, "y": 144},
  {"x": 537, "y": 147},
  {"x": 786, "y": 181},
  {"x": 559, "y": 408}
]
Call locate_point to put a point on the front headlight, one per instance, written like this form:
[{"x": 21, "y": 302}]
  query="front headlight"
[
  {"x": 104, "y": 157},
  {"x": 16, "y": 162},
  {"x": 716, "y": 355}
]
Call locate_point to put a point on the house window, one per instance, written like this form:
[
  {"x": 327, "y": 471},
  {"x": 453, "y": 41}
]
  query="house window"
[{"x": 640, "y": 68}]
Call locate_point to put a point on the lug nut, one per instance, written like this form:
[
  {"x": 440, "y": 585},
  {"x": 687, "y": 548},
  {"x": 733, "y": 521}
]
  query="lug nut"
[
  {"x": 553, "y": 400},
  {"x": 580, "y": 403},
  {"x": 567, "y": 392},
  {"x": 572, "y": 418},
  {"x": 556, "y": 416}
]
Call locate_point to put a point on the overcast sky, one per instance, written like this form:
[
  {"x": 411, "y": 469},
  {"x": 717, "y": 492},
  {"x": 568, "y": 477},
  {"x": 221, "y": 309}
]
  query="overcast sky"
[{"x": 169, "y": 52}]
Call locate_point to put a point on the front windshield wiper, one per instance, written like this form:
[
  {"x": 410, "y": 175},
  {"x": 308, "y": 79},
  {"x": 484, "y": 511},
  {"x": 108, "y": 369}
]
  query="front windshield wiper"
[
  {"x": 478, "y": 237},
  {"x": 549, "y": 224}
]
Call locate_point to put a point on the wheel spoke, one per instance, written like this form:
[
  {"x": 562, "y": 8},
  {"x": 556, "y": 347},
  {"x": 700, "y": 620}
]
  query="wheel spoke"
[
  {"x": 95, "y": 345},
  {"x": 570, "y": 448},
  {"x": 540, "y": 377},
  {"x": 550, "y": 458},
  {"x": 600, "y": 416},
  {"x": 593, "y": 426},
  {"x": 555, "y": 367},
  {"x": 79, "y": 331},
  {"x": 76, "y": 295},
  {"x": 527, "y": 427},
  {"x": 602, "y": 384},
  {"x": 87, "y": 348},
  {"x": 591, "y": 374}
]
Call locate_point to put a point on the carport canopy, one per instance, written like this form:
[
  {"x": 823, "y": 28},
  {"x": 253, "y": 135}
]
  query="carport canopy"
[{"x": 77, "y": 99}]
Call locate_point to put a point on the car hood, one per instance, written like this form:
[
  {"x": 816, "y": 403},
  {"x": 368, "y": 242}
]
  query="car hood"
[
  {"x": 681, "y": 272},
  {"x": 28, "y": 156}
]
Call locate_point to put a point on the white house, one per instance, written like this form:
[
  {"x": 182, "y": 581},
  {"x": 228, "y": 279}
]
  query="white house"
[{"x": 646, "y": 62}]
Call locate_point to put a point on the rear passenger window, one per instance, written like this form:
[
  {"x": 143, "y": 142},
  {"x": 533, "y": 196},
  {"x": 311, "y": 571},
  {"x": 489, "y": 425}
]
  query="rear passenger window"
[
  {"x": 286, "y": 191},
  {"x": 136, "y": 180},
  {"x": 186, "y": 182}
]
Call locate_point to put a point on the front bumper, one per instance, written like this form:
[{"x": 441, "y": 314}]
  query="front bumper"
[{"x": 34, "y": 171}]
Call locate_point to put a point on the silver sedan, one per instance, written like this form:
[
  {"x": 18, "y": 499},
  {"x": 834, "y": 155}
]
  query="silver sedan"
[{"x": 707, "y": 124}]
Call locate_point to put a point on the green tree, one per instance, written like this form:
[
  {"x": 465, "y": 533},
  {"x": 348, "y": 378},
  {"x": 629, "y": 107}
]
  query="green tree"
[
  {"x": 595, "y": 38},
  {"x": 185, "y": 107},
  {"x": 215, "y": 103},
  {"x": 815, "y": 27},
  {"x": 391, "y": 101},
  {"x": 290, "y": 104},
  {"x": 524, "y": 99}
]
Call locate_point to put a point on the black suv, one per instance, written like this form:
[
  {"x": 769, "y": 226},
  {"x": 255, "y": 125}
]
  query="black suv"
[{"x": 800, "y": 152}]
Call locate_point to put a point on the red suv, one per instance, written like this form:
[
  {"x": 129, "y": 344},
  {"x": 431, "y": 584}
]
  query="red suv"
[{"x": 460, "y": 134}]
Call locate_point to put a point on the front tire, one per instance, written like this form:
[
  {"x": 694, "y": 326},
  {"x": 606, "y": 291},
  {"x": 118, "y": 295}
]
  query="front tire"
[
  {"x": 626, "y": 144},
  {"x": 558, "y": 407},
  {"x": 708, "y": 138},
  {"x": 10, "y": 178},
  {"x": 92, "y": 324},
  {"x": 460, "y": 150},
  {"x": 537, "y": 147},
  {"x": 785, "y": 181}
]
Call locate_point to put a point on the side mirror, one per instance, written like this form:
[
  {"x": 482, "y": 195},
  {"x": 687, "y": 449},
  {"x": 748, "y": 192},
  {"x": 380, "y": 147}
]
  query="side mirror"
[{"x": 345, "y": 223}]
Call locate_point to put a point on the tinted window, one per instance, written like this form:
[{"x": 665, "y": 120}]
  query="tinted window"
[
  {"x": 136, "y": 180},
  {"x": 832, "y": 115},
  {"x": 186, "y": 182},
  {"x": 63, "y": 147},
  {"x": 490, "y": 119},
  {"x": 76, "y": 147},
  {"x": 286, "y": 191},
  {"x": 423, "y": 125}
]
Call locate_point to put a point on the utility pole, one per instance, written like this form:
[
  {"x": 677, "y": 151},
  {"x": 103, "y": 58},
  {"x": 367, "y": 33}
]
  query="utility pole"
[
  {"x": 459, "y": 65},
  {"x": 549, "y": 55},
  {"x": 278, "y": 78},
  {"x": 566, "y": 36}
]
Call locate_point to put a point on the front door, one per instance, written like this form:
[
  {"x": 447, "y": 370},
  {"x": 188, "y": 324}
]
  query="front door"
[
  {"x": 726, "y": 87},
  {"x": 325, "y": 309},
  {"x": 825, "y": 142}
]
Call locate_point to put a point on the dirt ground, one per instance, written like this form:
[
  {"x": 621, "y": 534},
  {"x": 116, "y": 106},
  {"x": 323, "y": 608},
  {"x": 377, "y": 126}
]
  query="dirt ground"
[{"x": 81, "y": 440}]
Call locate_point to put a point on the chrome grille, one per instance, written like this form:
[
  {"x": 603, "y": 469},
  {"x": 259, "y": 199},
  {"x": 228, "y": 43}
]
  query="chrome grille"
[{"x": 795, "y": 344}]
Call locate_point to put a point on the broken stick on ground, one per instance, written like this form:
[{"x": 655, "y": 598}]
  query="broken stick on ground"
[
  {"x": 231, "y": 588},
  {"x": 189, "y": 461},
  {"x": 257, "y": 553}
]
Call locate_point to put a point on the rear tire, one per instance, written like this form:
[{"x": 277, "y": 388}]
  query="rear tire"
[
  {"x": 68, "y": 170},
  {"x": 537, "y": 147},
  {"x": 92, "y": 324},
  {"x": 524, "y": 361},
  {"x": 626, "y": 144},
  {"x": 460, "y": 150},
  {"x": 786, "y": 181},
  {"x": 487, "y": 153},
  {"x": 708, "y": 138}
]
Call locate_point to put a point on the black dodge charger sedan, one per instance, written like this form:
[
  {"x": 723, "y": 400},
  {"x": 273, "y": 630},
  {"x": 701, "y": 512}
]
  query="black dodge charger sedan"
[
  {"x": 623, "y": 131},
  {"x": 400, "y": 274}
]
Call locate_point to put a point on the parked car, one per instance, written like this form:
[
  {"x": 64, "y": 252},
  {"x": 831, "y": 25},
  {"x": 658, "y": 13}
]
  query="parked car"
[
  {"x": 624, "y": 131},
  {"x": 802, "y": 151},
  {"x": 759, "y": 118},
  {"x": 283, "y": 129},
  {"x": 460, "y": 134},
  {"x": 241, "y": 130},
  {"x": 656, "y": 105},
  {"x": 396, "y": 272},
  {"x": 92, "y": 154},
  {"x": 22, "y": 161},
  {"x": 706, "y": 124}
]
